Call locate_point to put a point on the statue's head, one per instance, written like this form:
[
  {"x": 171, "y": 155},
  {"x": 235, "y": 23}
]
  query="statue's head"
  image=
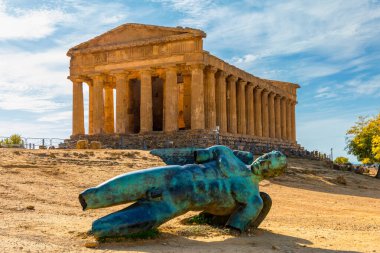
[{"x": 269, "y": 165}]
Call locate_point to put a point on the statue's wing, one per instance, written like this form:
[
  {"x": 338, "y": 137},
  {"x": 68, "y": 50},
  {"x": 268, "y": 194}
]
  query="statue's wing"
[
  {"x": 175, "y": 156},
  {"x": 182, "y": 156}
]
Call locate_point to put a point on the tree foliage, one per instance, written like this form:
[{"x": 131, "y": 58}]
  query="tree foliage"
[
  {"x": 363, "y": 140},
  {"x": 14, "y": 139},
  {"x": 341, "y": 160},
  {"x": 376, "y": 147}
]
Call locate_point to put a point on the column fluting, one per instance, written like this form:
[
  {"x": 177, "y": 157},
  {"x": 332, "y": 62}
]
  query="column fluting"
[
  {"x": 250, "y": 110},
  {"x": 210, "y": 104},
  {"x": 146, "y": 113},
  {"x": 221, "y": 101},
  {"x": 283, "y": 118},
  {"x": 272, "y": 120},
  {"x": 78, "y": 107},
  {"x": 98, "y": 108},
  {"x": 122, "y": 119},
  {"x": 109, "y": 125},
  {"x": 231, "y": 100},
  {"x": 197, "y": 97},
  {"x": 258, "y": 118},
  {"x": 241, "y": 113},
  {"x": 170, "y": 100},
  {"x": 277, "y": 102}
]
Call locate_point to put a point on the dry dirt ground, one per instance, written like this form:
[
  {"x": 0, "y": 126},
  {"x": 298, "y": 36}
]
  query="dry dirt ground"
[{"x": 311, "y": 212}]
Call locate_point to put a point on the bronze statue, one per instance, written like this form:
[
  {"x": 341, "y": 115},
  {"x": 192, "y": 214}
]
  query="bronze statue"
[{"x": 218, "y": 183}]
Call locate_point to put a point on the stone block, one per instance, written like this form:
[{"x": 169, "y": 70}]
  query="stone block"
[
  {"x": 95, "y": 145},
  {"x": 82, "y": 144}
]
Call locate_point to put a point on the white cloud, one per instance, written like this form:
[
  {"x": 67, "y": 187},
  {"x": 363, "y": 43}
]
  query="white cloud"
[
  {"x": 56, "y": 117},
  {"x": 197, "y": 11},
  {"x": 33, "y": 81},
  {"x": 323, "y": 90},
  {"x": 27, "y": 102},
  {"x": 279, "y": 28},
  {"x": 258, "y": 32},
  {"x": 28, "y": 24},
  {"x": 367, "y": 86},
  {"x": 36, "y": 129},
  {"x": 245, "y": 59}
]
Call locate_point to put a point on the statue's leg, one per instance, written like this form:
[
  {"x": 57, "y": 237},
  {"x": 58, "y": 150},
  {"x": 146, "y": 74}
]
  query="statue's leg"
[
  {"x": 139, "y": 217},
  {"x": 221, "y": 220},
  {"x": 264, "y": 212}
]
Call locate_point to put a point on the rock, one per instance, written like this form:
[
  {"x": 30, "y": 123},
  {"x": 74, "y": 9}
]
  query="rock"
[
  {"x": 275, "y": 247},
  {"x": 341, "y": 180},
  {"x": 82, "y": 144},
  {"x": 30, "y": 208},
  {"x": 91, "y": 245},
  {"x": 95, "y": 145}
]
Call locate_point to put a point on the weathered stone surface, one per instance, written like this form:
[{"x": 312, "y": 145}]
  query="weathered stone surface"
[
  {"x": 82, "y": 144},
  {"x": 198, "y": 139},
  {"x": 95, "y": 145}
]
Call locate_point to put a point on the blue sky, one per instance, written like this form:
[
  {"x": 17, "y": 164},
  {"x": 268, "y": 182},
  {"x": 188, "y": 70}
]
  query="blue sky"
[{"x": 331, "y": 48}]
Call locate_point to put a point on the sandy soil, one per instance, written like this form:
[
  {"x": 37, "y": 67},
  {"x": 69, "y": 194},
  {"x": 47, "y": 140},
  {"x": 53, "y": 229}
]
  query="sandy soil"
[{"x": 311, "y": 212}]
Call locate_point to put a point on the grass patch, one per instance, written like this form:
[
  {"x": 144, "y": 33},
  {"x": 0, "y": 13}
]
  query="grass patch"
[{"x": 199, "y": 219}]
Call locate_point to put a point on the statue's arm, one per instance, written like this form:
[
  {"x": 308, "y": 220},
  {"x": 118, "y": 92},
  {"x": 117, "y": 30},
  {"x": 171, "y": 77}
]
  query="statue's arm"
[{"x": 248, "y": 210}]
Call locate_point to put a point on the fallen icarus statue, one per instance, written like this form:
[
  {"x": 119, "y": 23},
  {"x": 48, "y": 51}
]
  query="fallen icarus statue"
[{"x": 219, "y": 183}]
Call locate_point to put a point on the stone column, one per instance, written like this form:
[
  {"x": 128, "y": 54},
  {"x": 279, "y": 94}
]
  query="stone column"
[
  {"x": 231, "y": 90},
  {"x": 122, "y": 98},
  {"x": 197, "y": 97},
  {"x": 210, "y": 104},
  {"x": 250, "y": 110},
  {"x": 221, "y": 101},
  {"x": 283, "y": 118},
  {"x": 170, "y": 100},
  {"x": 98, "y": 108},
  {"x": 293, "y": 110},
  {"x": 265, "y": 113},
  {"x": 277, "y": 102},
  {"x": 258, "y": 119},
  {"x": 90, "y": 107},
  {"x": 146, "y": 113},
  {"x": 288, "y": 120},
  {"x": 187, "y": 100},
  {"x": 109, "y": 126},
  {"x": 242, "y": 124},
  {"x": 272, "y": 120},
  {"x": 78, "y": 108}
]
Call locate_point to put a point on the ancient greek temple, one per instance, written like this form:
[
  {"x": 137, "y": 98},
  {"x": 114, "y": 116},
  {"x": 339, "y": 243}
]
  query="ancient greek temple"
[{"x": 163, "y": 82}]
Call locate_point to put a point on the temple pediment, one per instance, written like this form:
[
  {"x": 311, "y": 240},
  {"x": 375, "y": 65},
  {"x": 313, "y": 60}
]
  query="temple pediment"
[{"x": 136, "y": 34}]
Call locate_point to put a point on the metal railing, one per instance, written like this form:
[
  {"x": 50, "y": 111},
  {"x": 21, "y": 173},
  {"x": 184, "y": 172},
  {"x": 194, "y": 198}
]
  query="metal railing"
[{"x": 34, "y": 143}]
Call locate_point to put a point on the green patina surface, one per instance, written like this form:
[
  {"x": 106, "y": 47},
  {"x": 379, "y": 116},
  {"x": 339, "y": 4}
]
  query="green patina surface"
[{"x": 218, "y": 183}]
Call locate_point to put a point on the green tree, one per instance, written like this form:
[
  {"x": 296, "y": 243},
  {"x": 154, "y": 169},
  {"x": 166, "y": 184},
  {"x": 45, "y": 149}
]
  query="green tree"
[
  {"x": 14, "y": 139},
  {"x": 363, "y": 140},
  {"x": 341, "y": 160}
]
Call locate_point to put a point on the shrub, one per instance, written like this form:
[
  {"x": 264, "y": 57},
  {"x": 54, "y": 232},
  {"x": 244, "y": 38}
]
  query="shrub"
[
  {"x": 14, "y": 139},
  {"x": 341, "y": 160}
]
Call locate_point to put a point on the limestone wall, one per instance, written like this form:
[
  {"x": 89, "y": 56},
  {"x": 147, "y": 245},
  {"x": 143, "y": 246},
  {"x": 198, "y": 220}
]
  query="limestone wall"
[{"x": 189, "y": 138}]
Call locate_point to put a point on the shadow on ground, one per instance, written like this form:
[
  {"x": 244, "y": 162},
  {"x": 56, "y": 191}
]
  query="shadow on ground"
[{"x": 261, "y": 241}]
